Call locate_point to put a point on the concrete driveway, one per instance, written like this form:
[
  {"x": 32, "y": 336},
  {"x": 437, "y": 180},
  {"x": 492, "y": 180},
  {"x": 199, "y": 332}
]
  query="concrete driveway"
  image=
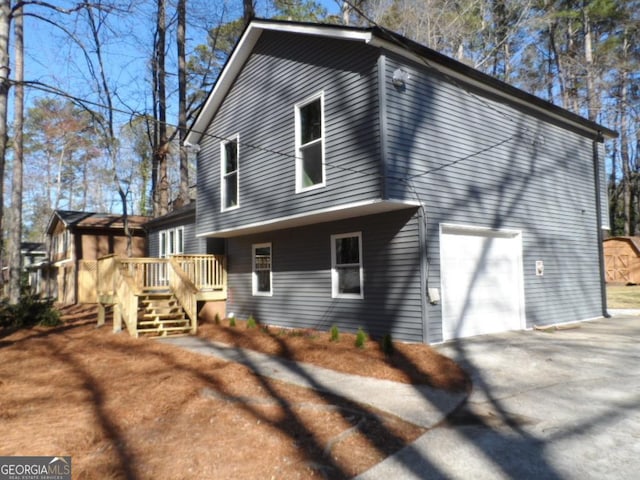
[{"x": 561, "y": 404}]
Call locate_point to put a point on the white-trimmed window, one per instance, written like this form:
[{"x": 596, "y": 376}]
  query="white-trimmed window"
[
  {"x": 171, "y": 242},
  {"x": 310, "y": 143},
  {"x": 230, "y": 162},
  {"x": 346, "y": 265},
  {"x": 262, "y": 269}
]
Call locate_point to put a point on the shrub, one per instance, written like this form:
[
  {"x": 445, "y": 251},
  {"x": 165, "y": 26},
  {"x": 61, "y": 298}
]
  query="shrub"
[
  {"x": 29, "y": 311},
  {"x": 335, "y": 333},
  {"x": 361, "y": 338},
  {"x": 232, "y": 322},
  {"x": 386, "y": 344},
  {"x": 251, "y": 322}
]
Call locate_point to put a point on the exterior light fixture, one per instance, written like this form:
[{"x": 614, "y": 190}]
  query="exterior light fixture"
[{"x": 400, "y": 78}]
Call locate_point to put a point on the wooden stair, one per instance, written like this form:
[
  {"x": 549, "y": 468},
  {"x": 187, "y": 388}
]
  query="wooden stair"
[{"x": 161, "y": 315}]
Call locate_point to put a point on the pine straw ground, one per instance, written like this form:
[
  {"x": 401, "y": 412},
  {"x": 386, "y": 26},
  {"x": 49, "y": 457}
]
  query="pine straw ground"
[{"x": 138, "y": 409}]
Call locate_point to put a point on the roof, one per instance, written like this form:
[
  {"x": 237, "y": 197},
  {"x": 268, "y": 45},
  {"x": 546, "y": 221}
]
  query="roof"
[
  {"x": 187, "y": 212},
  {"x": 634, "y": 241},
  {"x": 75, "y": 219},
  {"x": 390, "y": 41},
  {"x": 32, "y": 247}
]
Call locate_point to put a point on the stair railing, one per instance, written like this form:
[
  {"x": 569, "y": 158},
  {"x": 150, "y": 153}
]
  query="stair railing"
[
  {"x": 118, "y": 288},
  {"x": 185, "y": 291}
]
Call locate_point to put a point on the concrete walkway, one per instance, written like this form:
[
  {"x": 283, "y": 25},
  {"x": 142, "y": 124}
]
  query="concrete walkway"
[{"x": 420, "y": 405}]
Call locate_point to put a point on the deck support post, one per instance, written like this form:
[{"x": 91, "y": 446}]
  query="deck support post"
[
  {"x": 117, "y": 318},
  {"x": 101, "y": 314}
]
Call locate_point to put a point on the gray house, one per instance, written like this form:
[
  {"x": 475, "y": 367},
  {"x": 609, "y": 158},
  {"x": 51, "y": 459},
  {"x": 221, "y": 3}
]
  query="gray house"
[{"x": 363, "y": 180}]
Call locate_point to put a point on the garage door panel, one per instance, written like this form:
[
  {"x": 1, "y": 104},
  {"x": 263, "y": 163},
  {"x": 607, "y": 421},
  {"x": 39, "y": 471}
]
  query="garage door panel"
[{"x": 481, "y": 282}]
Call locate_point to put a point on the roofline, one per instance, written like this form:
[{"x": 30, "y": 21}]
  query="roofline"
[
  {"x": 241, "y": 53},
  {"x": 392, "y": 42},
  {"x": 76, "y": 225},
  {"x": 460, "y": 71},
  {"x": 183, "y": 212}
]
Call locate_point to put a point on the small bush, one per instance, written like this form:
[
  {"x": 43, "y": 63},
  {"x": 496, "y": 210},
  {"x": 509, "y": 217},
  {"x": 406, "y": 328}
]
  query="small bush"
[
  {"x": 251, "y": 322},
  {"x": 232, "y": 322},
  {"x": 386, "y": 344},
  {"x": 29, "y": 311},
  {"x": 216, "y": 319},
  {"x": 335, "y": 333},
  {"x": 361, "y": 338}
]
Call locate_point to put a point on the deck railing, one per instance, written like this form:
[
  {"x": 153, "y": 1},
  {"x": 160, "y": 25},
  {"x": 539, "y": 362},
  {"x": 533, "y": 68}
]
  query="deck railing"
[
  {"x": 207, "y": 272},
  {"x": 121, "y": 280}
]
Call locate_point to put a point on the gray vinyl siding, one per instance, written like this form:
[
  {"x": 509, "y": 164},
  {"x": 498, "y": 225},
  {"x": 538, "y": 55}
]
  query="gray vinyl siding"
[
  {"x": 301, "y": 278},
  {"x": 192, "y": 244},
  {"x": 284, "y": 70},
  {"x": 473, "y": 160}
]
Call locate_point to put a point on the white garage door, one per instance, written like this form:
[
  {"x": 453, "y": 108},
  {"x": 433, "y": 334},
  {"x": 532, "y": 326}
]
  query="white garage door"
[{"x": 481, "y": 274}]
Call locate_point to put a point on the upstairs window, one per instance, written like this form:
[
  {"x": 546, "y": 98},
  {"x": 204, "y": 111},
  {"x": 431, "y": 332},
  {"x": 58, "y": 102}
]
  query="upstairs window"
[
  {"x": 310, "y": 144},
  {"x": 262, "y": 269},
  {"x": 229, "y": 175},
  {"x": 346, "y": 265}
]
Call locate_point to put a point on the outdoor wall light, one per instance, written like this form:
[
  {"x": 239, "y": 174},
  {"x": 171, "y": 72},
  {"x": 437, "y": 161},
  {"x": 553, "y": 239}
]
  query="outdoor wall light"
[
  {"x": 191, "y": 147},
  {"x": 400, "y": 78}
]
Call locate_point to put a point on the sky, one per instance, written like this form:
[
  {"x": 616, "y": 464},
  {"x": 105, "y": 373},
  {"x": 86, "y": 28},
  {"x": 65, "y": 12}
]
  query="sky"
[
  {"x": 54, "y": 60},
  {"x": 51, "y": 58}
]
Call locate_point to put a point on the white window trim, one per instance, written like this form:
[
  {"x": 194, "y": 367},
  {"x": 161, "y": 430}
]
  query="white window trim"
[
  {"x": 223, "y": 174},
  {"x": 298, "y": 106},
  {"x": 254, "y": 276},
  {"x": 170, "y": 248},
  {"x": 334, "y": 272}
]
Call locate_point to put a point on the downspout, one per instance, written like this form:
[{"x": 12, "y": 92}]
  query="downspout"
[
  {"x": 424, "y": 271},
  {"x": 596, "y": 169},
  {"x": 382, "y": 124}
]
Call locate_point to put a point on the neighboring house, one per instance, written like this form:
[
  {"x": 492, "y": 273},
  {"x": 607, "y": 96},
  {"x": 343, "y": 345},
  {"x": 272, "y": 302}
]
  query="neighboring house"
[
  {"x": 77, "y": 239},
  {"x": 34, "y": 260},
  {"x": 622, "y": 259},
  {"x": 33, "y": 257},
  {"x": 362, "y": 180}
]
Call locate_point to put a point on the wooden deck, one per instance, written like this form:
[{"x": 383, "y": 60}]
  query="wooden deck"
[{"x": 125, "y": 284}]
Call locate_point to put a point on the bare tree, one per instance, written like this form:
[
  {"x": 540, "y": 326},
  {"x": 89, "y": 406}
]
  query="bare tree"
[
  {"x": 15, "y": 235},
  {"x": 5, "y": 26},
  {"x": 161, "y": 144},
  {"x": 182, "y": 102}
]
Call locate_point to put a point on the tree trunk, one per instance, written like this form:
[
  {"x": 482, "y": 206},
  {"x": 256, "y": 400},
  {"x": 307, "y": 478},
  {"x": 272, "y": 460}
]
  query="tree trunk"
[
  {"x": 588, "y": 57},
  {"x": 5, "y": 23},
  {"x": 15, "y": 259},
  {"x": 249, "y": 11},
  {"x": 624, "y": 146},
  {"x": 182, "y": 103},
  {"x": 161, "y": 147}
]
